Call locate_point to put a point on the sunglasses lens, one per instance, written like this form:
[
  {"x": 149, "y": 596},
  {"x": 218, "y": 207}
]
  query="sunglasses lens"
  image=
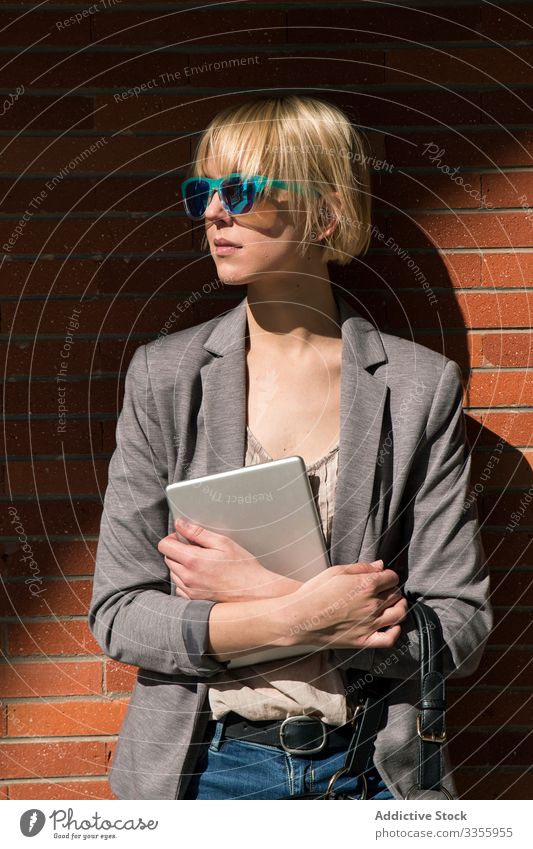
[
  {"x": 238, "y": 195},
  {"x": 196, "y": 198}
]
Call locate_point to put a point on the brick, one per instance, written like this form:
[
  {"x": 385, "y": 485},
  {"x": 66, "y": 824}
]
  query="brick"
[
  {"x": 26, "y": 680},
  {"x": 465, "y": 349},
  {"x": 46, "y": 760},
  {"x": 495, "y": 783},
  {"x": 512, "y": 587},
  {"x": 78, "y": 516},
  {"x": 499, "y": 509},
  {"x": 470, "y": 706},
  {"x": 87, "y": 69},
  {"x": 119, "y": 677},
  {"x": 62, "y": 557},
  {"x": 499, "y": 389},
  {"x": 515, "y": 427},
  {"x": 157, "y": 109},
  {"x": 305, "y": 66},
  {"x": 122, "y": 153},
  {"x": 187, "y": 110},
  {"x": 475, "y": 66},
  {"x": 506, "y": 269},
  {"x": 148, "y": 27},
  {"x": 111, "y": 234},
  {"x": 442, "y": 23},
  {"x": 52, "y": 275},
  {"x": 487, "y": 149},
  {"x": 38, "y": 436},
  {"x": 495, "y": 20},
  {"x": 44, "y": 357},
  {"x": 92, "y": 790},
  {"x": 407, "y": 107},
  {"x": 211, "y": 67},
  {"x": 109, "y": 435},
  {"x": 51, "y": 638},
  {"x": 46, "y": 477},
  {"x": 482, "y": 749},
  {"x": 465, "y": 310},
  {"x": 507, "y": 468},
  {"x": 105, "y": 397},
  {"x": 47, "y": 598},
  {"x": 47, "y": 113},
  {"x": 442, "y": 270},
  {"x": 517, "y": 549},
  {"x": 25, "y": 30},
  {"x": 65, "y": 718},
  {"x": 174, "y": 278},
  {"x": 132, "y": 315},
  {"x": 509, "y": 189},
  {"x": 507, "y": 350},
  {"x": 428, "y": 191},
  {"x": 503, "y": 668},
  {"x": 110, "y": 748},
  {"x": 136, "y": 193},
  {"x": 119, "y": 71},
  {"x": 116, "y": 354},
  {"x": 512, "y": 626},
  {"x": 462, "y": 230},
  {"x": 506, "y": 105}
]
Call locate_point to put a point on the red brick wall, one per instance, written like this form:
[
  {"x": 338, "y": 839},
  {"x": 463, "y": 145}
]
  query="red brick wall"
[{"x": 439, "y": 89}]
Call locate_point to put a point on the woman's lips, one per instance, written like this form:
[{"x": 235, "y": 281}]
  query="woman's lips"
[{"x": 225, "y": 250}]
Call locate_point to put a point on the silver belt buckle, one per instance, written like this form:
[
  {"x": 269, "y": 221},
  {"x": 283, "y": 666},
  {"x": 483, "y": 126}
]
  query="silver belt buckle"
[{"x": 306, "y": 718}]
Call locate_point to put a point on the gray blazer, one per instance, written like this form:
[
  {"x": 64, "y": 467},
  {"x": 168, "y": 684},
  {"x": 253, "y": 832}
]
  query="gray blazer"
[{"x": 403, "y": 483}]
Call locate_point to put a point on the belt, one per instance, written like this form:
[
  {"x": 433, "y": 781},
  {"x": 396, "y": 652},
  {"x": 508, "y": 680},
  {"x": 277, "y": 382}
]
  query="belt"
[{"x": 297, "y": 735}]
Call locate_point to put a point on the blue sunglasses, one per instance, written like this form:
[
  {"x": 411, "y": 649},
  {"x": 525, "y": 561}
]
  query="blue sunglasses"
[{"x": 237, "y": 196}]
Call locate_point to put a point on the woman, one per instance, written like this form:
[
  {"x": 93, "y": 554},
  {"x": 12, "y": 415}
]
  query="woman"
[{"x": 292, "y": 369}]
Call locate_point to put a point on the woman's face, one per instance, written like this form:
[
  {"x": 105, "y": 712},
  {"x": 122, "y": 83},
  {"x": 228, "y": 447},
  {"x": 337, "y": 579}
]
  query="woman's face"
[{"x": 267, "y": 237}]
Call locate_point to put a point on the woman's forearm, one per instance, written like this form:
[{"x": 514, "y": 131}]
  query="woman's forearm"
[
  {"x": 342, "y": 607},
  {"x": 237, "y": 628}
]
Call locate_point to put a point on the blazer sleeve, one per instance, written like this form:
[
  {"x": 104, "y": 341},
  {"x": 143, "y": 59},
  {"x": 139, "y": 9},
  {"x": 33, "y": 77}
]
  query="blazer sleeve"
[
  {"x": 133, "y": 614},
  {"x": 446, "y": 564}
]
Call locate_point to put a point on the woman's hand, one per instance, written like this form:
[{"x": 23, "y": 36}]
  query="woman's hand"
[
  {"x": 216, "y": 568},
  {"x": 345, "y": 606}
]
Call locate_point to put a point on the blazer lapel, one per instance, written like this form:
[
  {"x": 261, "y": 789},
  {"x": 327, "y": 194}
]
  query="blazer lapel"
[
  {"x": 224, "y": 392},
  {"x": 362, "y": 404}
]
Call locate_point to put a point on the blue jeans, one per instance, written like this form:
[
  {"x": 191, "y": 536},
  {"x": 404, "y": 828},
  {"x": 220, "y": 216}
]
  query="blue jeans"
[{"x": 240, "y": 769}]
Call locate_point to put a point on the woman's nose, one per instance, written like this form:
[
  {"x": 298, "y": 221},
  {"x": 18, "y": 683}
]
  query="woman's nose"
[{"x": 215, "y": 210}]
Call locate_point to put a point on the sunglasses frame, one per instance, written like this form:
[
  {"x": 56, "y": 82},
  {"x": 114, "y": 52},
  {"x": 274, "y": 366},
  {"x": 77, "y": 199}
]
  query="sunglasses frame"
[{"x": 215, "y": 185}]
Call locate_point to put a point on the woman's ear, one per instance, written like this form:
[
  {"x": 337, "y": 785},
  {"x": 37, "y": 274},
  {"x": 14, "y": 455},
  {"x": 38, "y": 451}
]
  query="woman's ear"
[{"x": 328, "y": 214}]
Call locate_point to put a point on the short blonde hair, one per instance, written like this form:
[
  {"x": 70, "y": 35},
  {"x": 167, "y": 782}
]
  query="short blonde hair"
[{"x": 306, "y": 140}]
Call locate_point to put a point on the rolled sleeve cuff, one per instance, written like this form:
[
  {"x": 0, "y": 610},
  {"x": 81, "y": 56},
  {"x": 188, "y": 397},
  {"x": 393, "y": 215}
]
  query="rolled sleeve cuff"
[{"x": 195, "y": 634}]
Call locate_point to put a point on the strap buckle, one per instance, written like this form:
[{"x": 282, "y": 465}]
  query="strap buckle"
[
  {"x": 296, "y": 751},
  {"x": 429, "y": 736},
  {"x": 336, "y": 775}
]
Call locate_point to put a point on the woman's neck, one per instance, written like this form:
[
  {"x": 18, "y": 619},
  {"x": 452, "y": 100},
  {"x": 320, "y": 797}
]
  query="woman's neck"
[{"x": 275, "y": 313}]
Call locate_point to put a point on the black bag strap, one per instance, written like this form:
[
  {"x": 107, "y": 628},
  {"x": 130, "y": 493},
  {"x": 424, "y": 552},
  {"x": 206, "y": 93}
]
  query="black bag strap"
[
  {"x": 370, "y": 703},
  {"x": 369, "y": 698},
  {"x": 369, "y": 709},
  {"x": 430, "y": 721}
]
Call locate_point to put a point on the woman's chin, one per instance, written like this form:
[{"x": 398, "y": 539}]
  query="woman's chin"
[{"x": 228, "y": 275}]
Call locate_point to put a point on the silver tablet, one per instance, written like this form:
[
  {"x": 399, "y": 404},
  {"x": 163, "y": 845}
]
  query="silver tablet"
[{"x": 269, "y": 509}]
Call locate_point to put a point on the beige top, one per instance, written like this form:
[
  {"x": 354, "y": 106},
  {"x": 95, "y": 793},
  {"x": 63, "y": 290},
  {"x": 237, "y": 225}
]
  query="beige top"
[{"x": 310, "y": 685}]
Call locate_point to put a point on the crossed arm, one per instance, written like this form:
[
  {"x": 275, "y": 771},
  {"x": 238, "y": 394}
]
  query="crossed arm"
[
  {"x": 345, "y": 605},
  {"x": 137, "y": 619}
]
